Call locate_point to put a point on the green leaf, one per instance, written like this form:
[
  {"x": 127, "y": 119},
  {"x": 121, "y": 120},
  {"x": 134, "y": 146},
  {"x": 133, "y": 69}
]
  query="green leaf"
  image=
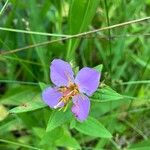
[
  {"x": 18, "y": 95},
  {"x": 8, "y": 125},
  {"x": 39, "y": 132},
  {"x": 86, "y": 9},
  {"x": 73, "y": 123},
  {"x": 35, "y": 103},
  {"x": 50, "y": 137},
  {"x": 37, "y": 23},
  {"x": 142, "y": 145},
  {"x": 93, "y": 127},
  {"x": 99, "y": 68},
  {"x": 68, "y": 141},
  {"x": 106, "y": 94},
  {"x": 57, "y": 119},
  {"x": 140, "y": 148},
  {"x": 43, "y": 85},
  {"x": 80, "y": 16},
  {"x": 3, "y": 112}
]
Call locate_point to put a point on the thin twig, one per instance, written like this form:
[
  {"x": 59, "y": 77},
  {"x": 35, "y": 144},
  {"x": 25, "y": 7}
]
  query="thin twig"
[
  {"x": 123, "y": 83},
  {"x": 4, "y": 7},
  {"x": 74, "y": 36},
  {"x": 30, "y": 46},
  {"x": 135, "y": 82},
  {"x": 33, "y": 32},
  {"x": 24, "y": 61},
  {"x": 121, "y": 97},
  {"x": 19, "y": 82}
]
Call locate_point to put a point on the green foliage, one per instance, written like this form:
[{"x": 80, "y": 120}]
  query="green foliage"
[
  {"x": 42, "y": 85},
  {"x": 119, "y": 113},
  {"x": 93, "y": 127},
  {"x": 58, "y": 118},
  {"x": 80, "y": 16},
  {"x": 99, "y": 68},
  {"x": 35, "y": 103},
  {"x": 18, "y": 95},
  {"x": 106, "y": 94},
  {"x": 68, "y": 141}
]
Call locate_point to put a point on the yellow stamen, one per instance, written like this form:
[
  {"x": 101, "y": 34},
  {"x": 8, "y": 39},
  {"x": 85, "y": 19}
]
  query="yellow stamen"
[{"x": 68, "y": 93}]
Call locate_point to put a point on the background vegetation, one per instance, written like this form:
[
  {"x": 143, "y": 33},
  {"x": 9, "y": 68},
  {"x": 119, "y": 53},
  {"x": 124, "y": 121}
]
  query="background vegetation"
[{"x": 122, "y": 102}]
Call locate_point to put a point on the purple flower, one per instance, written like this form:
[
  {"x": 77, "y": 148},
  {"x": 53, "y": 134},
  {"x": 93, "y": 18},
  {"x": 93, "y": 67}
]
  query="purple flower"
[{"x": 67, "y": 87}]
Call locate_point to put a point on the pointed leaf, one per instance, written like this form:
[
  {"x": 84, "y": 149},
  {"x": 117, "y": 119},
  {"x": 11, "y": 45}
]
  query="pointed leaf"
[
  {"x": 42, "y": 85},
  {"x": 93, "y": 127},
  {"x": 35, "y": 103},
  {"x": 106, "y": 94},
  {"x": 68, "y": 141},
  {"x": 99, "y": 68},
  {"x": 80, "y": 16},
  {"x": 57, "y": 119}
]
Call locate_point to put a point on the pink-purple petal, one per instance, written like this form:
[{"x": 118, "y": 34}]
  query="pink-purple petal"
[
  {"x": 61, "y": 73},
  {"x": 81, "y": 106},
  {"x": 88, "y": 80},
  {"x": 51, "y": 96}
]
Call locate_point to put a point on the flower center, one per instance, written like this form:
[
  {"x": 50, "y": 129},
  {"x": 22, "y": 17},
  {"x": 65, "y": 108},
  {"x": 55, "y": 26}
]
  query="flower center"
[{"x": 68, "y": 92}]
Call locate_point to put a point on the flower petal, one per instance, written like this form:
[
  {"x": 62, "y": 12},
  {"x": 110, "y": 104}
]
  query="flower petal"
[
  {"x": 61, "y": 73},
  {"x": 51, "y": 96},
  {"x": 81, "y": 106},
  {"x": 87, "y": 80}
]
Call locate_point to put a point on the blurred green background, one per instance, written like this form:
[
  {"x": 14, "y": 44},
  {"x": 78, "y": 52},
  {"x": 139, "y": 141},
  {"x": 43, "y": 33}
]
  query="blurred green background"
[{"x": 123, "y": 51}]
